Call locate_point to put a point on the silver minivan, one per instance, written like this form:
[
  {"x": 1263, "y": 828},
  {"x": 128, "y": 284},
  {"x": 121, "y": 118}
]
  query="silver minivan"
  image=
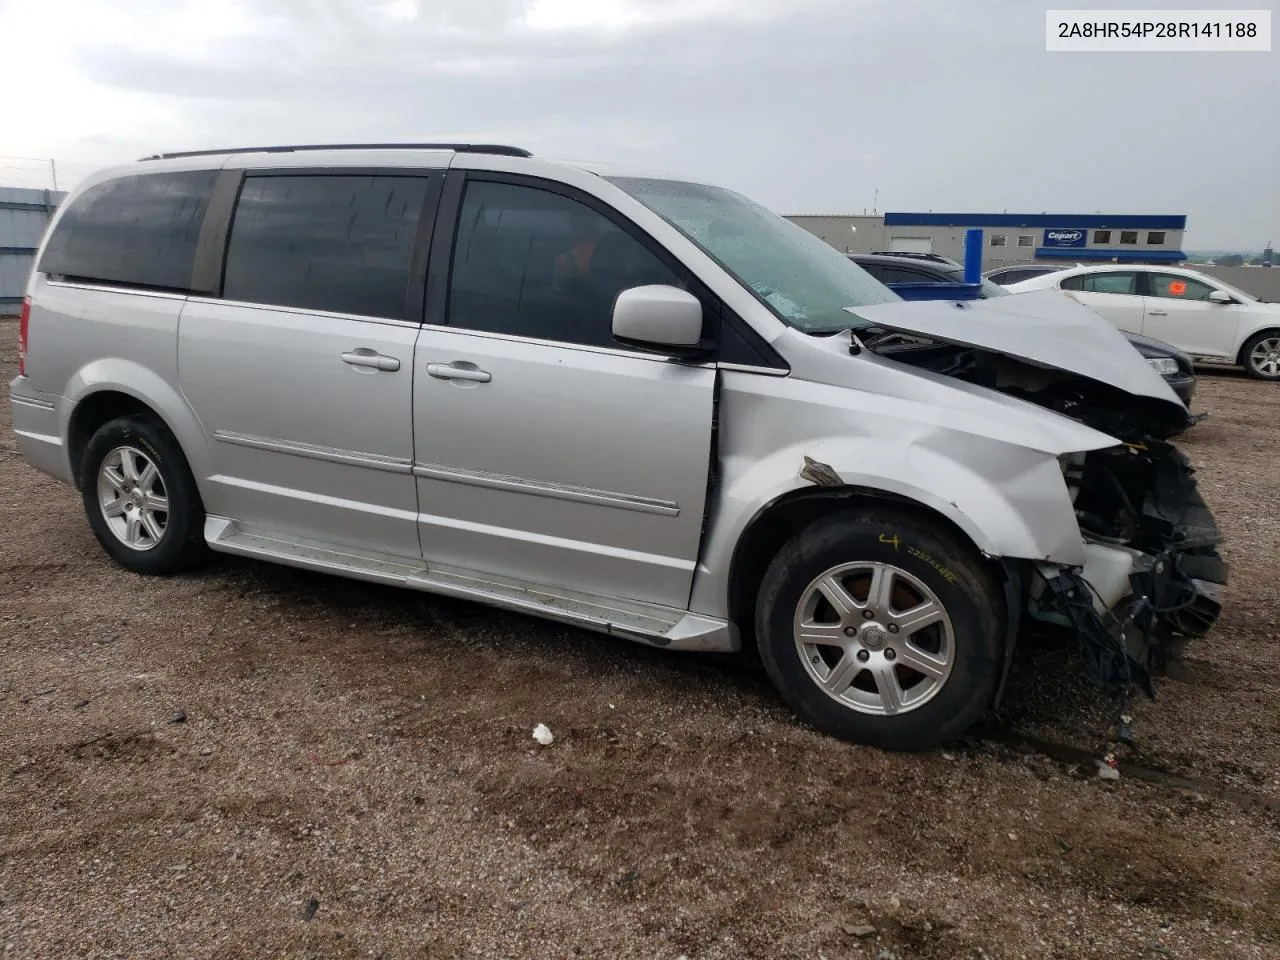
[{"x": 636, "y": 403}]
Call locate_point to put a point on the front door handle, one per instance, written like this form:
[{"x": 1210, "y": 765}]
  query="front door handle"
[
  {"x": 1157, "y": 313},
  {"x": 364, "y": 357},
  {"x": 458, "y": 371}
]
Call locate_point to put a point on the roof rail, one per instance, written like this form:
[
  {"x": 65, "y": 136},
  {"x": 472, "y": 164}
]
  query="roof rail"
[
  {"x": 911, "y": 255},
  {"x": 494, "y": 148}
]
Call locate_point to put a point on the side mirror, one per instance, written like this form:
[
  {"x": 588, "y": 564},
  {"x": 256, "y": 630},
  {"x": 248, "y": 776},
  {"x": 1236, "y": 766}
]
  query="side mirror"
[
  {"x": 660, "y": 319},
  {"x": 1218, "y": 296}
]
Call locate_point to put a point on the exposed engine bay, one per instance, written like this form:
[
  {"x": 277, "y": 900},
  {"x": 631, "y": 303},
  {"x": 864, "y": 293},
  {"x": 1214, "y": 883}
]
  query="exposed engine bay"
[
  {"x": 1091, "y": 402},
  {"x": 1152, "y": 573}
]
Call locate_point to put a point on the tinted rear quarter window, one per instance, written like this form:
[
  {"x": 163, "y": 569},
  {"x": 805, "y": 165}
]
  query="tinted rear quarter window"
[
  {"x": 137, "y": 231},
  {"x": 1109, "y": 282},
  {"x": 341, "y": 244}
]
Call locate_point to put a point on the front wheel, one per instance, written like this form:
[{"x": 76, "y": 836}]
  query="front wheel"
[
  {"x": 1262, "y": 356},
  {"x": 883, "y": 629}
]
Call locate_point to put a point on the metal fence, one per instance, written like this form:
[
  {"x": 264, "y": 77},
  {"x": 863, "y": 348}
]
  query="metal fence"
[
  {"x": 24, "y": 217},
  {"x": 32, "y": 188},
  {"x": 47, "y": 173}
]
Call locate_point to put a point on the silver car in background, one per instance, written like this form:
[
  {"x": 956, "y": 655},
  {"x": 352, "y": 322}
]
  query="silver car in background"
[{"x": 639, "y": 404}]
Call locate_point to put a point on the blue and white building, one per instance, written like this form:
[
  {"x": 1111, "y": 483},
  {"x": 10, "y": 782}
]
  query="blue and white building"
[{"x": 1010, "y": 238}]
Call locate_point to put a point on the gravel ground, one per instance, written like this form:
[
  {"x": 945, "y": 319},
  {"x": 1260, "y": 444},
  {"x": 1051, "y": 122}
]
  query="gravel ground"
[{"x": 353, "y": 775}]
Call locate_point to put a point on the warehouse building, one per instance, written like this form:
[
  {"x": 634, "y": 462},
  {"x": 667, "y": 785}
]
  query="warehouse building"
[{"x": 1009, "y": 238}]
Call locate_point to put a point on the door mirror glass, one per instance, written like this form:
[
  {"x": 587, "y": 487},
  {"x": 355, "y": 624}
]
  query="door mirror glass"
[
  {"x": 1219, "y": 297},
  {"x": 659, "y": 318}
]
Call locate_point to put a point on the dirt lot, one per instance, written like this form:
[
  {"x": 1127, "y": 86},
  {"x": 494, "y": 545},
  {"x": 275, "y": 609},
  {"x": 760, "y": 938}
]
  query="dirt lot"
[{"x": 355, "y": 775}]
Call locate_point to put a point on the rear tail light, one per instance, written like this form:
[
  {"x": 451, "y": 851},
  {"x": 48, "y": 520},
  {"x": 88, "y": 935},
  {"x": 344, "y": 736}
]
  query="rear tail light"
[{"x": 23, "y": 323}]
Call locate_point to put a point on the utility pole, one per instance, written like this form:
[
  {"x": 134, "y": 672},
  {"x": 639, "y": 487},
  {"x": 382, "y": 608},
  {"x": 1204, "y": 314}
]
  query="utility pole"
[{"x": 53, "y": 168}]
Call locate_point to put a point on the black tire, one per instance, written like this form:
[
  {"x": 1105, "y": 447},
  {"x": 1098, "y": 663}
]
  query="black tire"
[
  {"x": 960, "y": 580},
  {"x": 1246, "y": 356},
  {"x": 182, "y": 543}
]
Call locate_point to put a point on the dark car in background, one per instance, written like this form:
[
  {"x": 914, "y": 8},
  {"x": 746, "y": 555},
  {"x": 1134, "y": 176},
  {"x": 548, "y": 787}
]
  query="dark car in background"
[
  {"x": 909, "y": 255},
  {"x": 912, "y": 276}
]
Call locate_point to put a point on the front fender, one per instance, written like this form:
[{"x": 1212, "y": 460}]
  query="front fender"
[
  {"x": 1011, "y": 501},
  {"x": 146, "y": 386}
]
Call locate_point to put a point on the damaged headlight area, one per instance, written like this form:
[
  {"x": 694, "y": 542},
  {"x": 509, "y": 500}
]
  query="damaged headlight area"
[{"x": 1151, "y": 578}]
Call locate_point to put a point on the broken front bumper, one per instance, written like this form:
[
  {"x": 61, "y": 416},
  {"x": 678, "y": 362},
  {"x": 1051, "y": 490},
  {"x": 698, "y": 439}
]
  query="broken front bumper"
[{"x": 1140, "y": 597}]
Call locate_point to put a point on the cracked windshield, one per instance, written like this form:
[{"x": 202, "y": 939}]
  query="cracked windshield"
[{"x": 804, "y": 281}]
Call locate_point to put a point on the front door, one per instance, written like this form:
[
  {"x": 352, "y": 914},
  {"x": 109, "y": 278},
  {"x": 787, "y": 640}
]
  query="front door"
[
  {"x": 1179, "y": 311},
  {"x": 543, "y": 451},
  {"x": 302, "y": 373}
]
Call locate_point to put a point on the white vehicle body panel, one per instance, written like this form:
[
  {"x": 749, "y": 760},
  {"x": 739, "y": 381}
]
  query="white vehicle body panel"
[{"x": 1202, "y": 328}]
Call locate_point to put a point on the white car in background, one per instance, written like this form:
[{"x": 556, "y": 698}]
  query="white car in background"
[{"x": 1197, "y": 313}]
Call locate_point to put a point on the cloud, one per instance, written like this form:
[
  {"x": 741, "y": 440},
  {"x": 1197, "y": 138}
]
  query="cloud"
[
  {"x": 804, "y": 104},
  {"x": 616, "y": 15}
]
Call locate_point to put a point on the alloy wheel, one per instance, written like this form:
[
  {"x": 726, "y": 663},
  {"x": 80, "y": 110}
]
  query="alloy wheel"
[
  {"x": 1265, "y": 357},
  {"x": 875, "y": 638},
  {"x": 132, "y": 497}
]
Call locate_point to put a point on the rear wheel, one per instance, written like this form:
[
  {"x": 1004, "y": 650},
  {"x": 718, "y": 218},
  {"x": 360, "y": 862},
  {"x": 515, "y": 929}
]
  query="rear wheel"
[
  {"x": 1261, "y": 356},
  {"x": 880, "y": 628},
  {"x": 140, "y": 498}
]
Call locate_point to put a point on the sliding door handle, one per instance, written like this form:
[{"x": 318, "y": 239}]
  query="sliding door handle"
[
  {"x": 458, "y": 371},
  {"x": 364, "y": 357}
]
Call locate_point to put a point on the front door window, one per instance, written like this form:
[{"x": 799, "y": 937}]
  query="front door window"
[{"x": 534, "y": 263}]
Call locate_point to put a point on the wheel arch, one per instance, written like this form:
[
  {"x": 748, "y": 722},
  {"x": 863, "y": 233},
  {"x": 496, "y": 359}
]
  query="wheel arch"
[
  {"x": 107, "y": 389},
  {"x": 1242, "y": 355},
  {"x": 89, "y": 415},
  {"x": 777, "y": 522}
]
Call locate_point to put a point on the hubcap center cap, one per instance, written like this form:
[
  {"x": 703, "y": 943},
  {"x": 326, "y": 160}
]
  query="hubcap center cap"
[{"x": 874, "y": 636}]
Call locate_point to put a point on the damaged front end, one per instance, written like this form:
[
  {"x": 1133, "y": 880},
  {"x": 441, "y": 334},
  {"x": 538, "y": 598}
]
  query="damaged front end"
[{"x": 1152, "y": 573}]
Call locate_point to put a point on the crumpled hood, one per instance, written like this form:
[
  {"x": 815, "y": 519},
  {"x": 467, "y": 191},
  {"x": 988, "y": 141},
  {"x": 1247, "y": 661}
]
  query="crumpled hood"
[{"x": 1043, "y": 327}]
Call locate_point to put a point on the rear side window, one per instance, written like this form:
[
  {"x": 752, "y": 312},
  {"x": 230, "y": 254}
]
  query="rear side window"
[
  {"x": 342, "y": 244},
  {"x": 1110, "y": 282},
  {"x": 138, "y": 231}
]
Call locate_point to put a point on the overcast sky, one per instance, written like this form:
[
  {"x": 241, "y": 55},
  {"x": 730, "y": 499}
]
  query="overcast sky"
[{"x": 809, "y": 106}]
